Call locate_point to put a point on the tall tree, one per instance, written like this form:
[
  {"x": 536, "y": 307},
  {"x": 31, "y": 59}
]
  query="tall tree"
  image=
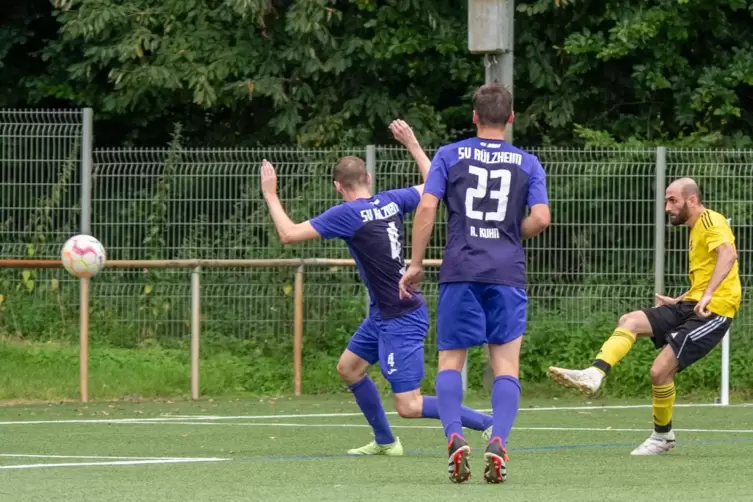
[
  {"x": 323, "y": 72},
  {"x": 313, "y": 72}
]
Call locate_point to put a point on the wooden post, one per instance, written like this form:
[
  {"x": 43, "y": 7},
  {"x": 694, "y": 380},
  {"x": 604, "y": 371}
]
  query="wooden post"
[
  {"x": 195, "y": 330},
  {"x": 298, "y": 331},
  {"x": 84, "y": 340}
]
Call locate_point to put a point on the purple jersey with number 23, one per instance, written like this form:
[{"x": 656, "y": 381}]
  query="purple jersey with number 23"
[
  {"x": 374, "y": 231},
  {"x": 486, "y": 186}
]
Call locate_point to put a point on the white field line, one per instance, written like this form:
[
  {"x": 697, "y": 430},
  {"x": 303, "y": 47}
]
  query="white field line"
[
  {"x": 92, "y": 457},
  {"x": 173, "y": 418},
  {"x": 591, "y": 429},
  {"x": 178, "y": 418},
  {"x": 336, "y": 415},
  {"x": 612, "y": 429},
  {"x": 114, "y": 463}
]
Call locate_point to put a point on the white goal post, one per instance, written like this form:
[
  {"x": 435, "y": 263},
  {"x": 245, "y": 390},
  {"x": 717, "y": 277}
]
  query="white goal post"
[{"x": 724, "y": 391}]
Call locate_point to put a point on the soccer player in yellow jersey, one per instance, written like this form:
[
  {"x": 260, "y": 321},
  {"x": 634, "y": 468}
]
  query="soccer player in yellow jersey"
[{"x": 685, "y": 328}]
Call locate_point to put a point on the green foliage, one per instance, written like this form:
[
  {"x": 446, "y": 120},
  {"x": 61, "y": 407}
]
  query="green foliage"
[
  {"x": 655, "y": 72},
  {"x": 49, "y": 370},
  {"x": 313, "y": 72},
  {"x": 325, "y": 72}
]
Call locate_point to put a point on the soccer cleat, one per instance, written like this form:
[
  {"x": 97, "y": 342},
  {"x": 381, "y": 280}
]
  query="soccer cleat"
[
  {"x": 495, "y": 462},
  {"x": 458, "y": 466},
  {"x": 587, "y": 381},
  {"x": 391, "y": 450},
  {"x": 487, "y": 434},
  {"x": 656, "y": 444}
]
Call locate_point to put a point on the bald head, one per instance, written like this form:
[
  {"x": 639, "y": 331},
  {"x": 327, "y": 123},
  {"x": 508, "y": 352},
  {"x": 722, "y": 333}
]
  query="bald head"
[
  {"x": 683, "y": 202},
  {"x": 687, "y": 187}
]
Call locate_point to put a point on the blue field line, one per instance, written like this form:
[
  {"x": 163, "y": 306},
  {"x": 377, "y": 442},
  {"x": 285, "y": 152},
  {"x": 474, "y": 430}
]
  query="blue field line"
[{"x": 512, "y": 450}]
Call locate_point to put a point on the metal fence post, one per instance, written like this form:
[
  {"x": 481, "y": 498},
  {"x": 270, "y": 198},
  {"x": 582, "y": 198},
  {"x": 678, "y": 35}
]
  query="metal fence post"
[
  {"x": 195, "y": 330},
  {"x": 298, "y": 331},
  {"x": 86, "y": 171},
  {"x": 724, "y": 384},
  {"x": 86, "y": 219},
  {"x": 371, "y": 169},
  {"x": 659, "y": 219}
]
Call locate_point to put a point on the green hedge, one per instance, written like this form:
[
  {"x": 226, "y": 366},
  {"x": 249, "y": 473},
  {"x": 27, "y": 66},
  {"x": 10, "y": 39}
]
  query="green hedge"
[{"x": 39, "y": 357}]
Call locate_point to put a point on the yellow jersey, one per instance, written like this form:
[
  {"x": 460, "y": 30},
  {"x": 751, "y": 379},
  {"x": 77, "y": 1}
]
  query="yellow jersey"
[{"x": 708, "y": 233}]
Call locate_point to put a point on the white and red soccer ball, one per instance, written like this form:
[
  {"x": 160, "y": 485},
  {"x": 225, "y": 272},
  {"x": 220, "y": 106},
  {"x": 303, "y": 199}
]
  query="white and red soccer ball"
[{"x": 83, "y": 256}]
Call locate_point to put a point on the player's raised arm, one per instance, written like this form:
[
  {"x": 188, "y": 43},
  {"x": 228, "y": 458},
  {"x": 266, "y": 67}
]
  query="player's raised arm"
[
  {"x": 289, "y": 232},
  {"x": 538, "y": 202},
  {"x": 405, "y": 135}
]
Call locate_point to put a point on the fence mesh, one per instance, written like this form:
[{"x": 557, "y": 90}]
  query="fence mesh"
[
  {"x": 40, "y": 192},
  {"x": 163, "y": 204},
  {"x": 596, "y": 259},
  {"x": 40, "y": 197},
  {"x": 597, "y": 256}
]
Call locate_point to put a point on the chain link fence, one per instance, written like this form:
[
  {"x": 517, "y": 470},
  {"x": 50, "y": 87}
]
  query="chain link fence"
[{"x": 598, "y": 258}]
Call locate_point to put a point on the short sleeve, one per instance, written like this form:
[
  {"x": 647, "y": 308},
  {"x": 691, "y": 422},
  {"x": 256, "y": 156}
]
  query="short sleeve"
[
  {"x": 537, "y": 184},
  {"x": 436, "y": 181},
  {"x": 336, "y": 222},
  {"x": 717, "y": 231},
  {"x": 406, "y": 198}
]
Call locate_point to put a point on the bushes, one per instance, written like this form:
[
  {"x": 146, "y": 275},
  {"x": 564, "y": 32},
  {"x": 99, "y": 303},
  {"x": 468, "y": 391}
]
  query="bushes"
[{"x": 39, "y": 357}]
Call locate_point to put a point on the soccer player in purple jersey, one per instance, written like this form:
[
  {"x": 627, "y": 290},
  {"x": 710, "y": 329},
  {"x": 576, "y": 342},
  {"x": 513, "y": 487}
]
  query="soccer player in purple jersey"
[
  {"x": 393, "y": 332},
  {"x": 486, "y": 184}
]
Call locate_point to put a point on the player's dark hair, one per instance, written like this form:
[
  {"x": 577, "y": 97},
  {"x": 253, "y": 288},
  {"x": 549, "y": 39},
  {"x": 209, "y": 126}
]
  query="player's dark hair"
[
  {"x": 493, "y": 105},
  {"x": 350, "y": 172}
]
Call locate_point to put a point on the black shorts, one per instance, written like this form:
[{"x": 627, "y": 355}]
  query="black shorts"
[{"x": 690, "y": 336}]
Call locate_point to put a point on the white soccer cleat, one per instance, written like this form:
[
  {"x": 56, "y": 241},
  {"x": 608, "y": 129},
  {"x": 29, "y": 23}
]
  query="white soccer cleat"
[
  {"x": 656, "y": 444},
  {"x": 587, "y": 381}
]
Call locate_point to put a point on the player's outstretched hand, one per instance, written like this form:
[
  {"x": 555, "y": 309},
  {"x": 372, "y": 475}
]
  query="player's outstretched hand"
[
  {"x": 411, "y": 280},
  {"x": 268, "y": 178},
  {"x": 403, "y": 132},
  {"x": 700, "y": 307}
]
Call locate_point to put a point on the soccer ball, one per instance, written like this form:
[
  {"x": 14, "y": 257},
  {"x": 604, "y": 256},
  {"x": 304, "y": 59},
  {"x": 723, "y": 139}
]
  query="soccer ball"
[{"x": 83, "y": 256}]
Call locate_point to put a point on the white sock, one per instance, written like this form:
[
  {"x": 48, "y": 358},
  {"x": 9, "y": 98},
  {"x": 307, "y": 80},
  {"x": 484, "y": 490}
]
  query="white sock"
[{"x": 665, "y": 435}]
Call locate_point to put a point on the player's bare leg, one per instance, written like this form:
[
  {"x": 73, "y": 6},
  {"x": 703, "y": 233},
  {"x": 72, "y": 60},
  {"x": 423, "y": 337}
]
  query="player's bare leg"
[
  {"x": 449, "y": 387},
  {"x": 505, "y": 361},
  {"x": 663, "y": 373},
  {"x": 415, "y": 405},
  {"x": 409, "y": 404},
  {"x": 352, "y": 369},
  {"x": 589, "y": 380}
]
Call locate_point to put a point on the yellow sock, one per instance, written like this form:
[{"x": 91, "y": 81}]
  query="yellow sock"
[
  {"x": 614, "y": 349},
  {"x": 663, "y": 400}
]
